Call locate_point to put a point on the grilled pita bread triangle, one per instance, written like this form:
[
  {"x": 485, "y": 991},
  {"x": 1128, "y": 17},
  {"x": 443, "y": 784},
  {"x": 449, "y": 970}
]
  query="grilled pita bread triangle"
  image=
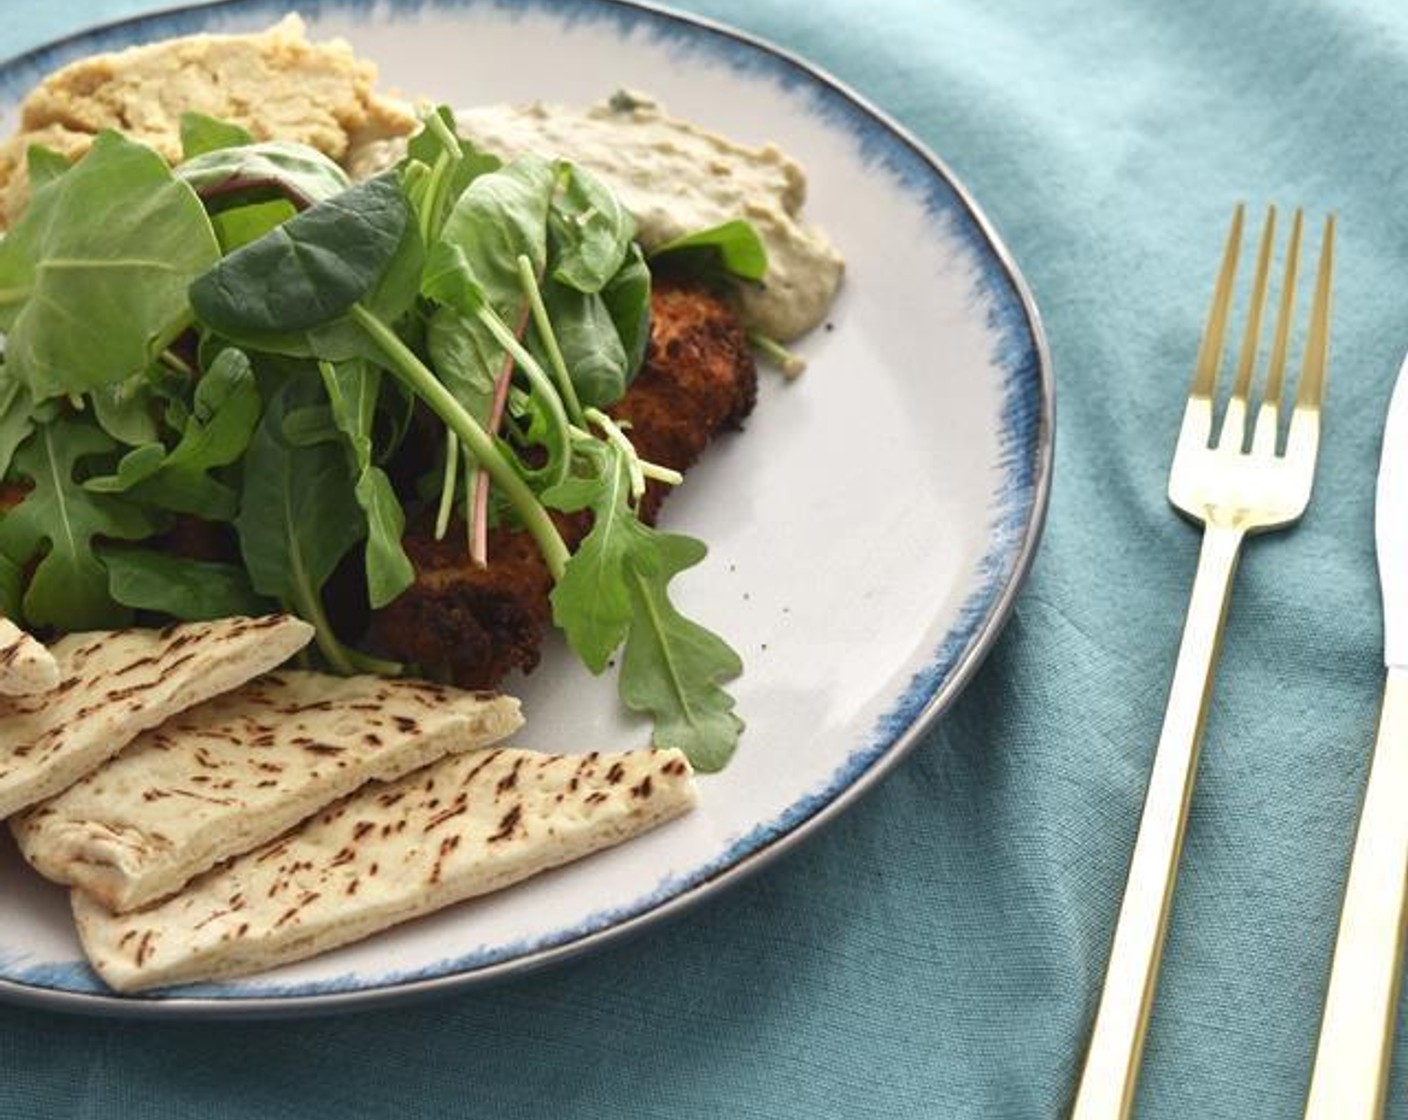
[
  {"x": 465, "y": 826},
  {"x": 239, "y": 770},
  {"x": 26, "y": 667},
  {"x": 115, "y": 684}
]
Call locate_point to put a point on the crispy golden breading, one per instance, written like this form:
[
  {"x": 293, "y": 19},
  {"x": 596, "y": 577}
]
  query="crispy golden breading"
[
  {"x": 479, "y": 623},
  {"x": 698, "y": 379},
  {"x": 473, "y": 623}
]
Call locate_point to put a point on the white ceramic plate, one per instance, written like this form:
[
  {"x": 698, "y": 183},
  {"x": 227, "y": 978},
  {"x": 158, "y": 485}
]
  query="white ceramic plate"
[{"x": 868, "y": 532}]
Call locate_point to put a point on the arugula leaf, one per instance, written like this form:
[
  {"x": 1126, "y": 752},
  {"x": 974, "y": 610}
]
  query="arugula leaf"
[
  {"x": 201, "y": 134},
  {"x": 16, "y": 419},
  {"x": 11, "y": 588},
  {"x": 44, "y": 165},
  {"x": 93, "y": 278},
  {"x": 592, "y": 231},
  {"x": 353, "y": 388},
  {"x": 298, "y": 514},
  {"x": 672, "y": 667},
  {"x": 736, "y": 244},
  {"x": 224, "y": 413},
  {"x": 591, "y": 601},
  {"x": 69, "y": 587},
  {"x": 191, "y": 590},
  {"x": 615, "y": 589}
]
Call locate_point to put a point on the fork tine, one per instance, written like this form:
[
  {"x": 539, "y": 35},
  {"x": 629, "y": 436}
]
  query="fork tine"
[
  {"x": 1305, "y": 420},
  {"x": 1317, "y": 343},
  {"x": 1210, "y": 349},
  {"x": 1268, "y": 418},
  {"x": 1234, "y": 425}
]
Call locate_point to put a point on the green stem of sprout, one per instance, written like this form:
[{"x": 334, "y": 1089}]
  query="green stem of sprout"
[
  {"x": 654, "y": 471},
  {"x": 308, "y": 605},
  {"x": 540, "y": 320},
  {"x": 445, "y": 162},
  {"x": 447, "y": 485},
  {"x": 410, "y": 369},
  {"x": 789, "y": 363},
  {"x": 617, "y": 438},
  {"x": 174, "y": 361},
  {"x": 540, "y": 381}
]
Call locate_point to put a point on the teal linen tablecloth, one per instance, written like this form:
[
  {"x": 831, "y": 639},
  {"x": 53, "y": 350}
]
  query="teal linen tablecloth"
[{"x": 937, "y": 952}]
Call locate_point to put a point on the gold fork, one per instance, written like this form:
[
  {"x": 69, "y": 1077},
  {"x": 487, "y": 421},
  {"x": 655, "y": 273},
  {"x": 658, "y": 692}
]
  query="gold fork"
[{"x": 1240, "y": 483}]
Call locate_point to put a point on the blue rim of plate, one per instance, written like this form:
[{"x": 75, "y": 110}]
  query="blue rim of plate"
[{"x": 1027, "y": 441}]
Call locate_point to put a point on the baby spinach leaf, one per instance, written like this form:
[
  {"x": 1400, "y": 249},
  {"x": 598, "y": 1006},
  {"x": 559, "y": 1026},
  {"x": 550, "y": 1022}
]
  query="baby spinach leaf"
[
  {"x": 466, "y": 359},
  {"x": 672, "y": 667},
  {"x": 93, "y": 277},
  {"x": 191, "y": 590},
  {"x": 308, "y": 271},
  {"x": 393, "y": 294},
  {"x": 360, "y": 248},
  {"x": 303, "y": 427},
  {"x": 353, "y": 389},
  {"x": 736, "y": 245},
  {"x": 298, "y": 512},
  {"x": 500, "y": 217},
  {"x": 126, "y": 410},
  {"x": 627, "y": 297},
  {"x": 69, "y": 587},
  {"x": 282, "y": 169},
  {"x": 224, "y": 413},
  {"x": 591, "y": 231},
  {"x": 591, "y": 347},
  {"x": 201, "y": 134}
]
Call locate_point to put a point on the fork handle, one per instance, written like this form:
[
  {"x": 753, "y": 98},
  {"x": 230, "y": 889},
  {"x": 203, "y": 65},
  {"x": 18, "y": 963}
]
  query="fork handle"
[
  {"x": 1356, "y": 1032},
  {"x": 1107, "y": 1084}
]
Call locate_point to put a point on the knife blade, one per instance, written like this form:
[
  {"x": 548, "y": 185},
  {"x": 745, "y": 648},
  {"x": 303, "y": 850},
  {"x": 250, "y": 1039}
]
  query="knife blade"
[{"x": 1352, "y": 1057}]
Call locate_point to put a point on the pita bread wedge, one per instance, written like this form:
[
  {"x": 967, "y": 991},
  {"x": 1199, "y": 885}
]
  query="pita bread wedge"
[
  {"x": 239, "y": 770},
  {"x": 26, "y": 667},
  {"x": 467, "y": 825},
  {"x": 115, "y": 684}
]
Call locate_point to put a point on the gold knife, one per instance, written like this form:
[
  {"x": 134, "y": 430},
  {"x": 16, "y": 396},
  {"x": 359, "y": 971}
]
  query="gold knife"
[{"x": 1355, "y": 1050}]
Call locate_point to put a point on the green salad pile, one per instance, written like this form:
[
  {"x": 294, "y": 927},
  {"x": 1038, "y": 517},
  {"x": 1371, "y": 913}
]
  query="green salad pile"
[{"x": 245, "y": 338}]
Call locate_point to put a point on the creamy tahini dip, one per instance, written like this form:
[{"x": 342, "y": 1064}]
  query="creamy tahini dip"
[{"x": 677, "y": 178}]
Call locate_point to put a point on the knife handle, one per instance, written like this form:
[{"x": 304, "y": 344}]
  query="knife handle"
[{"x": 1352, "y": 1058}]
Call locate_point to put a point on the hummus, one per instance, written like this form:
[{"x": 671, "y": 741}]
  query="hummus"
[
  {"x": 675, "y": 178},
  {"x": 274, "y": 83}
]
